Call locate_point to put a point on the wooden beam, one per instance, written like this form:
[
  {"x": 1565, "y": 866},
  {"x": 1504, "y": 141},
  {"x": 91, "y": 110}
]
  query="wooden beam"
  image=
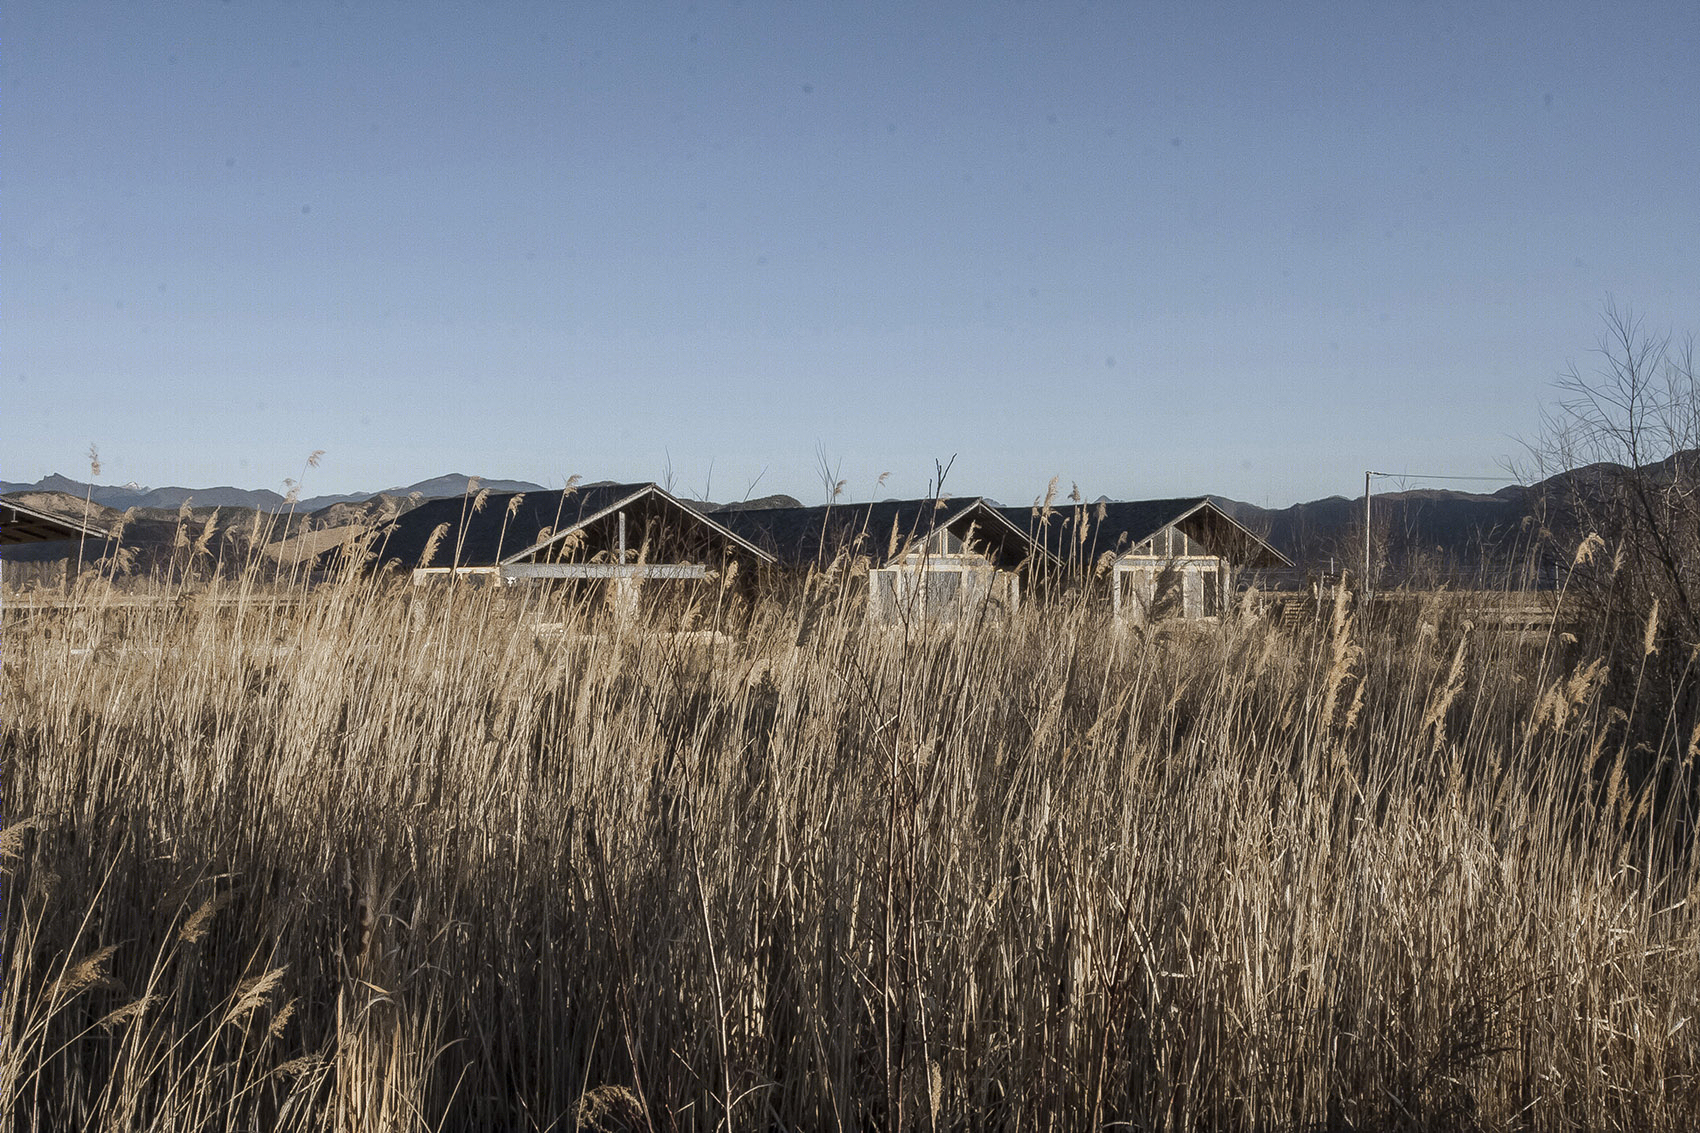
[
  {"x": 513, "y": 572},
  {"x": 422, "y": 575}
]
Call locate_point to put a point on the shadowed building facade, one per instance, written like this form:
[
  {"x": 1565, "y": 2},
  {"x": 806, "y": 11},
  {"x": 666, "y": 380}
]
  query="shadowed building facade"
[
  {"x": 1157, "y": 558},
  {"x": 945, "y": 559},
  {"x": 619, "y": 534},
  {"x": 22, "y": 525}
]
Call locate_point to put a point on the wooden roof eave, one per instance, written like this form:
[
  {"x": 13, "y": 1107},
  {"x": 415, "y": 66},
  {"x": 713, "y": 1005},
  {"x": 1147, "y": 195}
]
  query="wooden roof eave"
[
  {"x": 45, "y": 527},
  {"x": 1036, "y": 552},
  {"x": 1034, "y": 549},
  {"x": 1246, "y": 532},
  {"x": 620, "y": 504}
]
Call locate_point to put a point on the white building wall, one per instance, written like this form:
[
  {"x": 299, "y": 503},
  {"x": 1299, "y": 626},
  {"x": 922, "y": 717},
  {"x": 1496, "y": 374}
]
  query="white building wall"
[
  {"x": 940, "y": 587},
  {"x": 1200, "y": 585}
]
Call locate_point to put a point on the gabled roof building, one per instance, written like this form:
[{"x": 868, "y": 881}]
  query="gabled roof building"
[
  {"x": 20, "y": 523},
  {"x": 1158, "y": 558},
  {"x": 626, "y": 532},
  {"x": 939, "y": 558}
]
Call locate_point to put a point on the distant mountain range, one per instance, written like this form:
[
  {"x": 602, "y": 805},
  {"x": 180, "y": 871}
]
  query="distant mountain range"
[
  {"x": 152, "y": 527},
  {"x": 1435, "y": 530},
  {"x": 125, "y": 496},
  {"x": 1442, "y": 527},
  {"x": 121, "y": 497}
]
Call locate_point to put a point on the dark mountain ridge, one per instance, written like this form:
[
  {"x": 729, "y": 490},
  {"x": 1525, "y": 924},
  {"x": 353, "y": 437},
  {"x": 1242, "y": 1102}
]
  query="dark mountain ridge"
[
  {"x": 1439, "y": 533},
  {"x": 261, "y": 499}
]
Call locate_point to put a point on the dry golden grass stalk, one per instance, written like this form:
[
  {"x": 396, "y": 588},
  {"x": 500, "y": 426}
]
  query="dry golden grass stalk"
[
  {"x": 1016, "y": 874},
  {"x": 429, "y": 553}
]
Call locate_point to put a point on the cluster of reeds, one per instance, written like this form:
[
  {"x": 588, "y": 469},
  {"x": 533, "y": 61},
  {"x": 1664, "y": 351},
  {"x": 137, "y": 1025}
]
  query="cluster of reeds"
[{"x": 365, "y": 857}]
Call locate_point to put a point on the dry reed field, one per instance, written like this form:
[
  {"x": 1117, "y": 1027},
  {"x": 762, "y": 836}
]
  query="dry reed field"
[{"x": 389, "y": 860}]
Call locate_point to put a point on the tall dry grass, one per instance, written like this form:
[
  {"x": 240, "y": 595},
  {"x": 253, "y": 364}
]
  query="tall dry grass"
[{"x": 379, "y": 859}]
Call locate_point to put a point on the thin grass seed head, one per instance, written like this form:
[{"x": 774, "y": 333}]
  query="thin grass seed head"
[
  {"x": 1435, "y": 716},
  {"x": 1344, "y": 653},
  {"x": 252, "y": 995},
  {"x": 430, "y": 551},
  {"x": 123, "y": 560},
  {"x": 480, "y": 500},
  {"x": 205, "y": 541},
  {"x": 123, "y": 522},
  {"x": 196, "y": 926},
  {"x": 94, "y": 462},
  {"x": 12, "y": 838},
  {"x": 358, "y": 547},
  {"x": 281, "y": 1019},
  {"x": 1050, "y": 495},
  {"x": 1650, "y": 638},
  {"x": 1567, "y": 696},
  {"x": 295, "y": 1067},
  {"x": 88, "y": 972},
  {"x": 135, "y": 1009}
]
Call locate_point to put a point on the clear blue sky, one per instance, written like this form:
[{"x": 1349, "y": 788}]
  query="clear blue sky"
[{"x": 1246, "y": 249}]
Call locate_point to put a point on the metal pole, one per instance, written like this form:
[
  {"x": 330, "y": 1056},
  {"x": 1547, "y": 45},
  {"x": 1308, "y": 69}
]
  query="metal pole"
[{"x": 1367, "y": 475}]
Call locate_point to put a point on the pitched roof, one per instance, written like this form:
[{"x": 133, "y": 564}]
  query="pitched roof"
[
  {"x": 511, "y": 526},
  {"x": 1120, "y": 525},
  {"x": 882, "y": 530},
  {"x": 20, "y": 523}
]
